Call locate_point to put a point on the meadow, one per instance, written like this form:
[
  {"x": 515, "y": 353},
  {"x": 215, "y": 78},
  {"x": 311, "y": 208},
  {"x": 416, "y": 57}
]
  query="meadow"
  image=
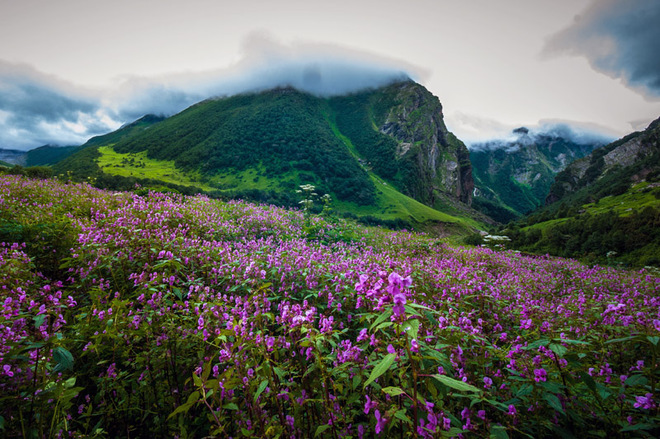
[{"x": 135, "y": 314}]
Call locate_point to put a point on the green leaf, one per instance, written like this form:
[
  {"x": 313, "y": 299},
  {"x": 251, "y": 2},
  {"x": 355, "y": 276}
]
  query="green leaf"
[
  {"x": 452, "y": 432},
  {"x": 620, "y": 340},
  {"x": 412, "y": 328},
  {"x": 589, "y": 381},
  {"x": 635, "y": 427},
  {"x": 554, "y": 402},
  {"x": 260, "y": 389},
  {"x": 537, "y": 344},
  {"x": 456, "y": 384},
  {"x": 320, "y": 429},
  {"x": 558, "y": 349},
  {"x": 230, "y": 406},
  {"x": 183, "y": 408},
  {"x": 401, "y": 414},
  {"x": 380, "y": 368},
  {"x": 2, "y": 423},
  {"x": 498, "y": 432},
  {"x": 207, "y": 371},
  {"x": 393, "y": 391},
  {"x": 384, "y": 325},
  {"x": 381, "y": 318},
  {"x": 193, "y": 397},
  {"x": 39, "y": 320},
  {"x": 654, "y": 340},
  {"x": 197, "y": 380},
  {"x": 636, "y": 380},
  {"x": 63, "y": 358}
]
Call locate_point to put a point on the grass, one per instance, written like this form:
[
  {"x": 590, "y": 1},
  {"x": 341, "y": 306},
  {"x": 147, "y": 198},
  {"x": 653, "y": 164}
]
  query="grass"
[
  {"x": 638, "y": 197},
  {"x": 390, "y": 205},
  {"x": 140, "y": 166}
]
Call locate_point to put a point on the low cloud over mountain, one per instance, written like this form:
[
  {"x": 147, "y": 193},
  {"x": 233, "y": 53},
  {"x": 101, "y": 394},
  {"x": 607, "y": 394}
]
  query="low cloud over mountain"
[{"x": 37, "y": 109}]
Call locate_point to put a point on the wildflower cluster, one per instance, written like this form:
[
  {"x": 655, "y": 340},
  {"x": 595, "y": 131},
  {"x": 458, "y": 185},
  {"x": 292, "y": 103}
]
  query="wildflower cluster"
[{"x": 192, "y": 317}]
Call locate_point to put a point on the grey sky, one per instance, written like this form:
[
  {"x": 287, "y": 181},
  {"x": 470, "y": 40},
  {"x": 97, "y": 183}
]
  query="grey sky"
[{"x": 495, "y": 65}]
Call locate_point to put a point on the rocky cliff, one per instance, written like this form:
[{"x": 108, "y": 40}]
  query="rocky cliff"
[
  {"x": 400, "y": 132},
  {"x": 416, "y": 122},
  {"x": 625, "y": 161}
]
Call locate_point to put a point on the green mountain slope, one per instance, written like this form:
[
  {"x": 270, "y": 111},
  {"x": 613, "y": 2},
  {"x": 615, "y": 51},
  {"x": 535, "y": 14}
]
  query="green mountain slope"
[
  {"x": 604, "y": 208},
  {"x": 513, "y": 178},
  {"x": 384, "y": 154}
]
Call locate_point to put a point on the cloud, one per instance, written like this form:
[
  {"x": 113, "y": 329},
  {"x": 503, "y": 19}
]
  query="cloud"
[
  {"x": 575, "y": 132},
  {"x": 319, "y": 69},
  {"x": 37, "y": 109},
  {"x": 620, "y": 38}
]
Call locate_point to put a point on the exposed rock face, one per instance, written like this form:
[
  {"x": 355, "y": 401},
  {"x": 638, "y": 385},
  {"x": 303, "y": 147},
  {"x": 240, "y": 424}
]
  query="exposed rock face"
[
  {"x": 415, "y": 121},
  {"x": 634, "y": 155}
]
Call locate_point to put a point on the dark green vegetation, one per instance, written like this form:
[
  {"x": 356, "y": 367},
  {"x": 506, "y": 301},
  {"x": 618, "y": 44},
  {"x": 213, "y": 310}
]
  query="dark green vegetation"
[
  {"x": 513, "y": 178},
  {"x": 604, "y": 208},
  {"x": 281, "y": 130}
]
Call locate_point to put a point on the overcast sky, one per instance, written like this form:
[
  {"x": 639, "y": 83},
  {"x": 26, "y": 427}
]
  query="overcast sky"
[{"x": 70, "y": 69}]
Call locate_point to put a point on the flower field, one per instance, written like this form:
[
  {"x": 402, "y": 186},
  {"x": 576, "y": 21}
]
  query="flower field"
[{"x": 125, "y": 315}]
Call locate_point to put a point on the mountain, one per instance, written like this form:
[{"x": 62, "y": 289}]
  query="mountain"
[
  {"x": 513, "y": 177},
  {"x": 612, "y": 168},
  {"x": 41, "y": 156},
  {"x": 603, "y": 208},
  {"x": 12, "y": 156},
  {"x": 384, "y": 153}
]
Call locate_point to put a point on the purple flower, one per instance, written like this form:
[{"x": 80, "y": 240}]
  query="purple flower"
[
  {"x": 512, "y": 410},
  {"x": 380, "y": 421},
  {"x": 487, "y": 382},
  {"x": 540, "y": 375},
  {"x": 399, "y": 301},
  {"x": 390, "y": 349},
  {"x": 369, "y": 405},
  {"x": 645, "y": 402},
  {"x": 7, "y": 369}
]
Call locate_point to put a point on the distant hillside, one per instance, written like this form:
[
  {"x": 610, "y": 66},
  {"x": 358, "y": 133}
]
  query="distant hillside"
[
  {"x": 513, "y": 177},
  {"x": 12, "y": 156},
  {"x": 610, "y": 169},
  {"x": 603, "y": 208},
  {"x": 383, "y": 153}
]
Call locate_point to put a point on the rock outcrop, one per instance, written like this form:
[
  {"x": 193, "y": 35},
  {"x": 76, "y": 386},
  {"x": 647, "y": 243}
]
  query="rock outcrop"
[{"x": 416, "y": 122}]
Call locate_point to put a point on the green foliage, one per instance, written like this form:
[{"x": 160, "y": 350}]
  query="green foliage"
[
  {"x": 282, "y": 130},
  {"x": 634, "y": 239}
]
